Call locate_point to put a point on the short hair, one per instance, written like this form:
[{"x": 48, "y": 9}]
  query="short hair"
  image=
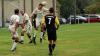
[
  {"x": 16, "y": 11},
  {"x": 51, "y": 10},
  {"x": 41, "y": 4}
]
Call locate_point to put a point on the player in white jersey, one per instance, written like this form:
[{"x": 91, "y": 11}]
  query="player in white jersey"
[
  {"x": 27, "y": 25},
  {"x": 39, "y": 12},
  {"x": 14, "y": 23}
]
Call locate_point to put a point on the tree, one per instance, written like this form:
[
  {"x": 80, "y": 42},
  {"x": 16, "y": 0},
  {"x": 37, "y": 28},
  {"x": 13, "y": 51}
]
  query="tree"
[
  {"x": 93, "y": 7},
  {"x": 66, "y": 8}
]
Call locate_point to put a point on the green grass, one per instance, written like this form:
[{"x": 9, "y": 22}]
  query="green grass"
[{"x": 73, "y": 40}]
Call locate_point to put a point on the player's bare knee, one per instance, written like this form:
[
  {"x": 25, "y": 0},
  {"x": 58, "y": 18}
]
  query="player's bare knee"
[{"x": 50, "y": 41}]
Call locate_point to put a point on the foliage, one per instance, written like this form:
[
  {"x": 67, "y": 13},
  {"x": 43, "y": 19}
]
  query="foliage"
[
  {"x": 66, "y": 7},
  {"x": 94, "y": 7}
]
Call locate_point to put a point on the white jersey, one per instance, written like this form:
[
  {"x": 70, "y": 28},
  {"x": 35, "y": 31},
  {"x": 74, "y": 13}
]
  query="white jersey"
[
  {"x": 14, "y": 19},
  {"x": 40, "y": 13}
]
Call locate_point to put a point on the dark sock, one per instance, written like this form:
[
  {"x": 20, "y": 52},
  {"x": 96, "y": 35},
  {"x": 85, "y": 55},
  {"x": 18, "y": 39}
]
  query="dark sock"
[
  {"x": 50, "y": 48},
  {"x": 29, "y": 36},
  {"x": 34, "y": 40},
  {"x": 43, "y": 34},
  {"x": 53, "y": 46}
]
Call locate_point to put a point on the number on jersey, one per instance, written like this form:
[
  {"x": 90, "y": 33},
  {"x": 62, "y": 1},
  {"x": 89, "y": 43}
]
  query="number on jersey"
[{"x": 49, "y": 21}]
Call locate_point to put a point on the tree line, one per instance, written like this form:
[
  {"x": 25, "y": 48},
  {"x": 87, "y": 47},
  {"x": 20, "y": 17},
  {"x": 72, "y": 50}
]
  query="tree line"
[{"x": 82, "y": 7}]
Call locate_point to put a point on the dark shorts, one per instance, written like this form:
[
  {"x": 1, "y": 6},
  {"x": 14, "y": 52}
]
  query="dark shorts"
[{"x": 52, "y": 35}]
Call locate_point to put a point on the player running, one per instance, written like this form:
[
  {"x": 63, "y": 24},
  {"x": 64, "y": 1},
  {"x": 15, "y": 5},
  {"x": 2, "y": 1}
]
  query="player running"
[
  {"x": 52, "y": 24},
  {"x": 14, "y": 23},
  {"x": 38, "y": 12},
  {"x": 27, "y": 26}
]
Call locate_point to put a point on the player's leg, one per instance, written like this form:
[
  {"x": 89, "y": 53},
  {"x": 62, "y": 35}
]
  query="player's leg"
[
  {"x": 44, "y": 32},
  {"x": 54, "y": 39},
  {"x": 43, "y": 29},
  {"x": 34, "y": 37},
  {"x": 41, "y": 36},
  {"x": 15, "y": 41},
  {"x": 50, "y": 47},
  {"x": 22, "y": 37},
  {"x": 22, "y": 34},
  {"x": 53, "y": 45},
  {"x": 50, "y": 42},
  {"x": 14, "y": 36},
  {"x": 29, "y": 36},
  {"x": 28, "y": 31},
  {"x": 36, "y": 24}
]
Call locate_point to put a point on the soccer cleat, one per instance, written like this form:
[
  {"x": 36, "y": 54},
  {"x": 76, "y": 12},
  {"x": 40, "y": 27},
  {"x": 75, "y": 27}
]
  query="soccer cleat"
[{"x": 13, "y": 50}]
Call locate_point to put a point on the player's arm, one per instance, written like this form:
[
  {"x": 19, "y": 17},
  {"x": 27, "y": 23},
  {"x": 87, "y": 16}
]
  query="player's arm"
[
  {"x": 57, "y": 23},
  {"x": 33, "y": 14}
]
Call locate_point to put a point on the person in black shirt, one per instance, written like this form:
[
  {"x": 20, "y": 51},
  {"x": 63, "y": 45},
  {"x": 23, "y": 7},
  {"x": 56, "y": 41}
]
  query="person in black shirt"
[{"x": 51, "y": 23}]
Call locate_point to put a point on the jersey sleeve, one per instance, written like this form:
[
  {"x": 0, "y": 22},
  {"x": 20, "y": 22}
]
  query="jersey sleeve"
[
  {"x": 57, "y": 21},
  {"x": 34, "y": 12}
]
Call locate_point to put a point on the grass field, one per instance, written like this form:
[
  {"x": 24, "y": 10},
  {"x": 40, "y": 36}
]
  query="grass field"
[{"x": 73, "y": 40}]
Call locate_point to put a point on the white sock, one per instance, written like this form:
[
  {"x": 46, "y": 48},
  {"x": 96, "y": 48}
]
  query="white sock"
[
  {"x": 41, "y": 35},
  {"x": 14, "y": 46},
  {"x": 34, "y": 35},
  {"x": 22, "y": 38}
]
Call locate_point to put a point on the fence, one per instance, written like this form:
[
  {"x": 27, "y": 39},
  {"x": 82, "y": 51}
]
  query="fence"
[{"x": 10, "y": 5}]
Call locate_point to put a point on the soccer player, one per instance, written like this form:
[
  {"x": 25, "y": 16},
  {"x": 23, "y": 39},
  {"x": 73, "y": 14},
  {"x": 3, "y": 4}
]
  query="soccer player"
[
  {"x": 22, "y": 24},
  {"x": 51, "y": 23},
  {"x": 14, "y": 23},
  {"x": 39, "y": 12},
  {"x": 27, "y": 25}
]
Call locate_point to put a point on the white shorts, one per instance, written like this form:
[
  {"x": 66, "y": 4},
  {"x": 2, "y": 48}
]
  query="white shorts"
[
  {"x": 12, "y": 30},
  {"x": 38, "y": 22}
]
